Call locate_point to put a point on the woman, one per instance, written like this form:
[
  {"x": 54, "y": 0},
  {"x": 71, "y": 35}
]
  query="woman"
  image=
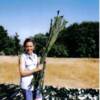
[{"x": 28, "y": 66}]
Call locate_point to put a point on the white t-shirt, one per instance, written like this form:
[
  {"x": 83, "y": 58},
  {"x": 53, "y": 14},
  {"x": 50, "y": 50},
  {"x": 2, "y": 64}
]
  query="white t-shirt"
[{"x": 29, "y": 62}]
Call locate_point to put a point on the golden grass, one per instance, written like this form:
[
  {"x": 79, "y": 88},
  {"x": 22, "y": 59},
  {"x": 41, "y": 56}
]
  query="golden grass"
[
  {"x": 60, "y": 72},
  {"x": 9, "y": 71}
]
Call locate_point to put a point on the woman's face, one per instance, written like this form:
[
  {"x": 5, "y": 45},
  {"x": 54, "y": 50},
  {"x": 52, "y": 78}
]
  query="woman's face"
[{"x": 29, "y": 47}]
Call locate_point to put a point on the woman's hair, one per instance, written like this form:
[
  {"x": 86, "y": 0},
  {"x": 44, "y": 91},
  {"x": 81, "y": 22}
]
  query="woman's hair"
[{"x": 29, "y": 40}]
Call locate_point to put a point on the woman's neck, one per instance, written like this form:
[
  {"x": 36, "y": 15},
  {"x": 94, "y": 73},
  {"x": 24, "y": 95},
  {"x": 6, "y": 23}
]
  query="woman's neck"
[{"x": 29, "y": 53}]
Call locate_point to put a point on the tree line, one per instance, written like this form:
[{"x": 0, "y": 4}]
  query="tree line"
[
  {"x": 9, "y": 45},
  {"x": 76, "y": 40}
]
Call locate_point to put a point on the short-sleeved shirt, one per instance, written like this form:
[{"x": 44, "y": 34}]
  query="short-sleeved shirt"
[{"x": 29, "y": 62}]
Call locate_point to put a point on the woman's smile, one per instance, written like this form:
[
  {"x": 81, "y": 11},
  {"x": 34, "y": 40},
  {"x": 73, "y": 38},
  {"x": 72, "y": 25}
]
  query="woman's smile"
[{"x": 29, "y": 47}]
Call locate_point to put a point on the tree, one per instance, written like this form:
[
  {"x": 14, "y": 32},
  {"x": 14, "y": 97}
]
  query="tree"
[
  {"x": 40, "y": 40},
  {"x": 81, "y": 40},
  {"x": 58, "y": 50},
  {"x": 3, "y": 39},
  {"x": 17, "y": 44},
  {"x": 8, "y": 44}
]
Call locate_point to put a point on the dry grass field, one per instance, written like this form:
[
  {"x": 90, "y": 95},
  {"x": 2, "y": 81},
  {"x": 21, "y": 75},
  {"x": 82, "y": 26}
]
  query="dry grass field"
[{"x": 60, "y": 72}]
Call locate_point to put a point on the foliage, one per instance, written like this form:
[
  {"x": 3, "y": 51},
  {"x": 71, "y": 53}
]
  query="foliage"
[
  {"x": 81, "y": 40},
  {"x": 9, "y": 45},
  {"x": 58, "y": 50},
  {"x": 17, "y": 43},
  {"x": 14, "y": 92},
  {"x": 40, "y": 40},
  {"x": 76, "y": 40}
]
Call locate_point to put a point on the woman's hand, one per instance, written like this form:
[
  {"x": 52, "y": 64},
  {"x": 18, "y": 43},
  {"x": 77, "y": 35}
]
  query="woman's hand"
[{"x": 40, "y": 67}]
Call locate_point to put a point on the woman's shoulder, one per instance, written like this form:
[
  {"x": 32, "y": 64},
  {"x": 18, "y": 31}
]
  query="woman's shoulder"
[{"x": 23, "y": 55}]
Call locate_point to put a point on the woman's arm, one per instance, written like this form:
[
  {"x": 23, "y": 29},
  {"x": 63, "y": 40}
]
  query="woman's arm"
[{"x": 25, "y": 72}]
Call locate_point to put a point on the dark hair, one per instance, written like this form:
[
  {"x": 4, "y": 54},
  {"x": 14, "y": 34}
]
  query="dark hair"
[{"x": 28, "y": 40}]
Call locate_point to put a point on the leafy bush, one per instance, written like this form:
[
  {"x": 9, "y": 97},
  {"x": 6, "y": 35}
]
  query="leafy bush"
[{"x": 14, "y": 92}]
